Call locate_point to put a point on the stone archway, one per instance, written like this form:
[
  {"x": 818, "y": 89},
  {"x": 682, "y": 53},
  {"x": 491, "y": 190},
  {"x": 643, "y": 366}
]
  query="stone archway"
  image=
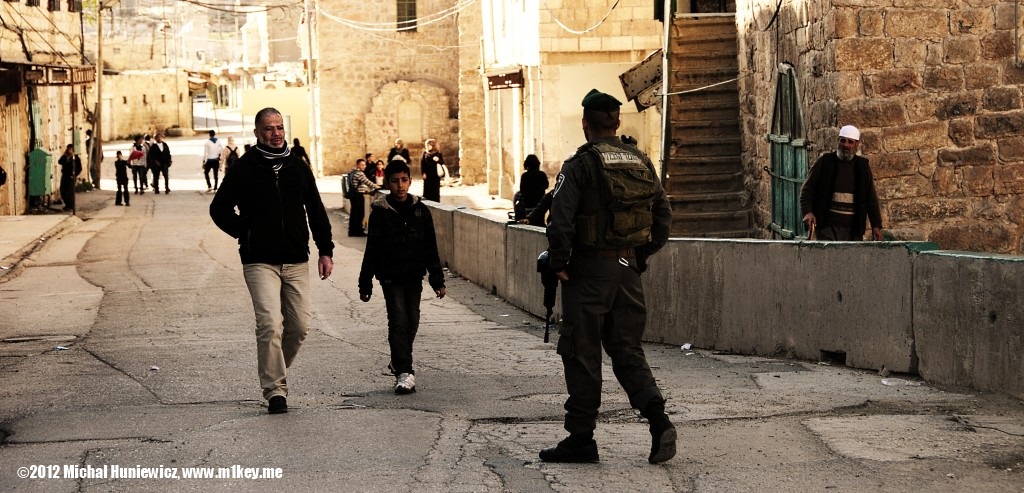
[{"x": 393, "y": 112}]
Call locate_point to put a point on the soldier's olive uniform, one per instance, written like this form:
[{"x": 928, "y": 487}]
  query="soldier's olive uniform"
[{"x": 603, "y": 301}]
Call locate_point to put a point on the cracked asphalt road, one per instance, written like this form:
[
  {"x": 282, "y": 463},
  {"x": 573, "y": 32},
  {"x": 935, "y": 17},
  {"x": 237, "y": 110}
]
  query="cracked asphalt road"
[{"x": 159, "y": 371}]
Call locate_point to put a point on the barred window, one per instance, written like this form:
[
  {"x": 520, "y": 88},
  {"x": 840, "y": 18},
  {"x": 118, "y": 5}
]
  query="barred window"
[
  {"x": 74, "y": 5},
  {"x": 32, "y": 3},
  {"x": 406, "y": 15},
  {"x": 53, "y": 5}
]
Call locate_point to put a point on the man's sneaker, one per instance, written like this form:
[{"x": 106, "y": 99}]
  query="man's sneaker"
[
  {"x": 406, "y": 383},
  {"x": 571, "y": 450},
  {"x": 277, "y": 405},
  {"x": 663, "y": 443}
]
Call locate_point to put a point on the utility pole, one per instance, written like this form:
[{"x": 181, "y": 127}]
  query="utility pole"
[
  {"x": 97, "y": 131},
  {"x": 314, "y": 144}
]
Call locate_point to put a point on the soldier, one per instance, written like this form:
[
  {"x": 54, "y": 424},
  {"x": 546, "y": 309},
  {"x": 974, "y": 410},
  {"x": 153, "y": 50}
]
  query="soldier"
[{"x": 609, "y": 213}]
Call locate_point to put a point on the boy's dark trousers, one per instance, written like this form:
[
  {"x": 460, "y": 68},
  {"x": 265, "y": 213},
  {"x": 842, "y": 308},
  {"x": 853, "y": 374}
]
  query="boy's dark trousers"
[
  {"x": 402, "y": 300},
  {"x": 122, "y": 193},
  {"x": 139, "y": 177}
]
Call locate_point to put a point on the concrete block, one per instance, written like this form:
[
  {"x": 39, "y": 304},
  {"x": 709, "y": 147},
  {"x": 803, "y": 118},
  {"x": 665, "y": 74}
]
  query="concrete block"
[
  {"x": 525, "y": 243},
  {"x": 795, "y": 299},
  {"x": 479, "y": 249},
  {"x": 968, "y": 319},
  {"x": 443, "y": 217}
]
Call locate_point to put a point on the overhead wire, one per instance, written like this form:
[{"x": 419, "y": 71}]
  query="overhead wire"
[
  {"x": 45, "y": 41},
  {"x": 587, "y": 30},
  {"x": 391, "y": 26}
]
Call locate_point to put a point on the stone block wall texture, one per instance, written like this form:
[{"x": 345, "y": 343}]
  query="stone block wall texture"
[
  {"x": 365, "y": 74},
  {"x": 932, "y": 85},
  {"x": 146, "y": 102}
]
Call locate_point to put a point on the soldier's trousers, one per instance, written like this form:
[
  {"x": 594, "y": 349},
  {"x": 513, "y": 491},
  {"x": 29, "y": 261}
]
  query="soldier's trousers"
[{"x": 603, "y": 305}]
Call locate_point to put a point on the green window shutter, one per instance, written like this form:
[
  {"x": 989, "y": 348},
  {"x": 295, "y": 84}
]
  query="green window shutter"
[{"x": 788, "y": 156}]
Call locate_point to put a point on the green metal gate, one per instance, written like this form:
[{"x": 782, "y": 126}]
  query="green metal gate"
[{"x": 788, "y": 157}]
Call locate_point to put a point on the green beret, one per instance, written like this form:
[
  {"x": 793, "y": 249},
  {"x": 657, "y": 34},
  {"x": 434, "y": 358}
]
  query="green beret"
[{"x": 597, "y": 100}]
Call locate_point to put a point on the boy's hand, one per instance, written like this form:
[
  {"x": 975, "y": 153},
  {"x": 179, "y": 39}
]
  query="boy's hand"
[
  {"x": 364, "y": 297},
  {"x": 441, "y": 292}
]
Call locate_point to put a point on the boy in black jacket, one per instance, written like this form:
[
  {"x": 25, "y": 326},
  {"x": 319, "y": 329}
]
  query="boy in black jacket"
[{"x": 401, "y": 247}]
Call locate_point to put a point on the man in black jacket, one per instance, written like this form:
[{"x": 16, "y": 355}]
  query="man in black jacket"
[
  {"x": 160, "y": 160},
  {"x": 838, "y": 195},
  {"x": 275, "y": 192}
]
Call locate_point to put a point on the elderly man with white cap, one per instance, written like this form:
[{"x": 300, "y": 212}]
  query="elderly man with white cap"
[{"x": 839, "y": 196}]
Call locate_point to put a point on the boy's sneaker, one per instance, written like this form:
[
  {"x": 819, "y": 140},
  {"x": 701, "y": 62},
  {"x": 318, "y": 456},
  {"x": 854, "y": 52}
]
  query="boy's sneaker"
[{"x": 406, "y": 383}]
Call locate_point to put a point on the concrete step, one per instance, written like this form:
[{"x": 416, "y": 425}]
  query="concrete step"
[
  {"x": 711, "y": 202},
  {"x": 729, "y": 224},
  {"x": 707, "y": 129},
  {"x": 688, "y": 183},
  {"x": 705, "y": 165},
  {"x": 683, "y": 147}
]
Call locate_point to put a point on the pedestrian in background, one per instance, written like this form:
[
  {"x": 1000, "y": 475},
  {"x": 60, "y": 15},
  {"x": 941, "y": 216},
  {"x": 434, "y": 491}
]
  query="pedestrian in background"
[
  {"x": 229, "y": 155},
  {"x": 400, "y": 249},
  {"x": 838, "y": 196},
  {"x": 211, "y": 152},
  {"x": 532, "y": 186},
  {"x": 599, "y": 239},
  {"x": 137, "y": 159},
  {"x": 70, "y": 168},
  {"x": 371, "y": 169},
  {"x": 399, "y": 150},
  {"x": 275, "y": 193},
  {"x": 300, "y": 152},
  {"x": 160, "y": 159},
  {"x": 432, "y": 166},
  {"x": 94, "y": 151},
  {"x": 378, "y": 177},
  {"x": 121, "y": 177},
  {"x": 147, "y": 165},
  {"x": 362, "y": 189}
]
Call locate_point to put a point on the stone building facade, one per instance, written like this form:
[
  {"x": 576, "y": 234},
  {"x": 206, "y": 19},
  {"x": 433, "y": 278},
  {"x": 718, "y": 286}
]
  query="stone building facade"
[
  {"x": 936, "y": 89},
  {"x": 561, "y": 49},
  {"x": 137, "y": 103},
  {"x": 378, "y": 84},
  {"x": 44, "y": 78}
]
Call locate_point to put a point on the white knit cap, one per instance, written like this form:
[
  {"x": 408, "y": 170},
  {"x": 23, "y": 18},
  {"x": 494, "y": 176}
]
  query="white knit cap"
[{"x": 850, "y": 132}]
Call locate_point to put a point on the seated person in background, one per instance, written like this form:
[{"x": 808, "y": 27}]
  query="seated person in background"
[{"x": 532, "y": 186}]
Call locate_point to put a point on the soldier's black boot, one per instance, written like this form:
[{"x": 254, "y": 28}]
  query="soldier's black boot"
[
  {"x": 663, "y": 433},
  {"x": 578, "y": 447}
]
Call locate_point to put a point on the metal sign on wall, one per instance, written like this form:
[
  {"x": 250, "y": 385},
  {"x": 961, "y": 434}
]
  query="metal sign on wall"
[{"x": 505, "y": 81}]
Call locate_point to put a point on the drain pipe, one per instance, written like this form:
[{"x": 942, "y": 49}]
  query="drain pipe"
[{"x": 667, "y": 17}]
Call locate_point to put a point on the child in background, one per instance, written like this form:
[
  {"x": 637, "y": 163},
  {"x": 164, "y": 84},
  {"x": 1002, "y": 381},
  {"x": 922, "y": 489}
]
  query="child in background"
[
  {"x": 378, "y": 177},
  {"x": 121, "y": 175},
  {"x": 400, "y": 248}
]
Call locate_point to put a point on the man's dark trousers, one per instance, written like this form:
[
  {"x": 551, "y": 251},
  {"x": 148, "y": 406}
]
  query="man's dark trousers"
[{"x": 603, "y": 303}]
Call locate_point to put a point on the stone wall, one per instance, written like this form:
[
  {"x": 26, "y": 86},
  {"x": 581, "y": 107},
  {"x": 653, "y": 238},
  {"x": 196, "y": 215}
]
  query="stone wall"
[
  {"x": 472, "y": 157},
  {"x": 146, "y": 102},
  {"x": 356, "y": 65},
  {"x": 934, "y": 90}
]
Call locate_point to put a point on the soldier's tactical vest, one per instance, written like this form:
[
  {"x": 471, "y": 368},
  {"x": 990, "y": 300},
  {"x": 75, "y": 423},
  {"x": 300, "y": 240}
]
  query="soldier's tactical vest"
[{"x": 626, "y": 185}]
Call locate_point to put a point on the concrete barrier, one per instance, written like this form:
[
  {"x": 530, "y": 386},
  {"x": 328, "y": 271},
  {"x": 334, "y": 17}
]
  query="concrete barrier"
[
  {"x": 848, "y": 302},
  {"x": 952, "y": 317},
  {"x": 969, "y": 320},
  {"x": 478, "y": 252},
  {"x": 443, "y": 217}
]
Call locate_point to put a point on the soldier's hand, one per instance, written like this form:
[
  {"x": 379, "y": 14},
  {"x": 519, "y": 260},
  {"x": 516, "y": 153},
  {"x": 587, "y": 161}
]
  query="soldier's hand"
[
  {"x": 441, "y": 292},
  {"x": 562, "y": 275}
]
